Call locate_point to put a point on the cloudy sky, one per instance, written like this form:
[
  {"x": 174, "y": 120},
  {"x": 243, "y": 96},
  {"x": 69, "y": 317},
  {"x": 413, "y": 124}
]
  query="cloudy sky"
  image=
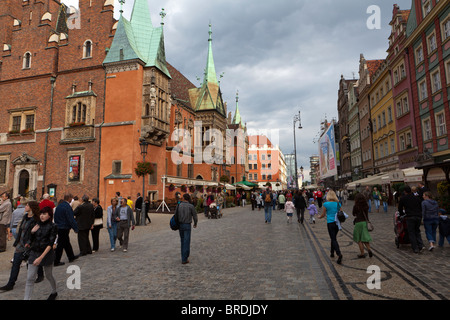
[{"x": 283, "y": 56}]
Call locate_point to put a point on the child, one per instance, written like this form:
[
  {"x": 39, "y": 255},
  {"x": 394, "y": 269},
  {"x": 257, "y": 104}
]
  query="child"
[
  {"x": 312, "y": 211},
  {"x": 289, "y": 209}
]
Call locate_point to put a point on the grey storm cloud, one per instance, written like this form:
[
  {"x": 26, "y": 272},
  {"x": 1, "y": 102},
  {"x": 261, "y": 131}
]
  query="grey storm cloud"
[{"x": 282, "y": 55}]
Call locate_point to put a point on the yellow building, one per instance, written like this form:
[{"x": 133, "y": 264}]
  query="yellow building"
[{"x": 383, "y": 121}]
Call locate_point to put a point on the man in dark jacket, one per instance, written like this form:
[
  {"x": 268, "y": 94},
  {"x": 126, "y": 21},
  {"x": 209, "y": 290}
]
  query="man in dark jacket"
[
  {"x": 186, "y": 213},
  {"x": 300, "y": 205},
  {"x": 410, "y": 206},
  {"x": 65, "y": 221},
  {"x": 84, "y": 215}
]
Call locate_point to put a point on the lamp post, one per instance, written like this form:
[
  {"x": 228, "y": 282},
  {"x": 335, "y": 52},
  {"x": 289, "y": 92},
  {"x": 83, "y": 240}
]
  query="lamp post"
[
  {"x": 143, "y": 145},
  {"x": 298, "y": 119}
]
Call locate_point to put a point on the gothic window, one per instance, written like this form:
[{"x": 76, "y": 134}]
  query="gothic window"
[
  {"x": 87, "y": 49},
  {"x": 26, "y": 61},
  {"x": 79, "y": 112}
]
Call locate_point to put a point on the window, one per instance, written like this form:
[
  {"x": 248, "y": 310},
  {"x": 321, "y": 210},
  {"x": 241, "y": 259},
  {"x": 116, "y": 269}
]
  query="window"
[
  {"x": 441, "y": 129},
  {"x": 446, "y": 29},
  {"x": 22, "y": 121},
  {"x": 87, "y": 49},
  {"x": 426, "y": 7},
  {"x": 408, "y": 140},
  {"x": 117, "y": 167},
  {"x": 386, "y": 149},
  {"x": 383, "y": 117},
  {"x": 405, "y": 105},
  {"x": 153, "y": 178},
  {"x": 16, "y": 123},
  {"x": 402, "y": 142},
  {"x": 79, "y": 113},
  {"x": 389, "y": 114},
  {"x": 447, "y": 71},
  {"x": 255, "y": 176},
  {"x": 26, "y": 61},
  {"x": 379, "y": 122},
  {"x": 392, "y": 146},
  {"x": 436, "y": 81},
  {"x": 419, "y": 55},
  {"x": 3, "y": 166},
  {"x": 426, "y": 125},
  {"x": 432, "y": 45},
  {"x": 423, "y": 90}
]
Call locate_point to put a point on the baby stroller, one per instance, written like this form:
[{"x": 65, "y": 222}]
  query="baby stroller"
[
  {"x": 214, "y": 212},
  {"x": 401, "y": 230}
]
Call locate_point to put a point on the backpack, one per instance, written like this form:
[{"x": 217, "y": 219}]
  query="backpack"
[
  {"x": 267, "y": 199},
  {"x": 174, "y": 224}
]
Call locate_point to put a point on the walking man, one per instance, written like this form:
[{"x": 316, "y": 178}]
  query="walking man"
[
  {"x": 125, "y": 214},
  {"x": 411, "y": 206},
  {"x": 65, "y": 221},
  {"x": 268, "y": 198},
  {"x": 5, "y": 219},
  {"x": 84, "y": 215},
  {"x": 186, "y": 213}
]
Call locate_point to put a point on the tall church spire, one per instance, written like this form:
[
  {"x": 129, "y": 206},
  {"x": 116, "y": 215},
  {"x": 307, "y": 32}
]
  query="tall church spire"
[
  {"x": 210, "y": 73},
  {"x": 237, "y": 115}
]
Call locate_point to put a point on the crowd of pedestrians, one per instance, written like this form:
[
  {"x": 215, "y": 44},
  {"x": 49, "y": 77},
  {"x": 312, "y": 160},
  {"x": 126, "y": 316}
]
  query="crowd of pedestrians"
[{"x": 41, "y": 232}]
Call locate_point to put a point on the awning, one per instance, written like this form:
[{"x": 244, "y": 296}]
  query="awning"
[
  {"x": 242, "y": 186},
  {"x": 189, "y": 182},
  {"x": 413, "y": 175},
  {"x": 228, "y": 186},
  {"x": 369, "y": 181}
]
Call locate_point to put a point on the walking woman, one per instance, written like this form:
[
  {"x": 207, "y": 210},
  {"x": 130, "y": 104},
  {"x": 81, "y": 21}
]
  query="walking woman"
[
  {"x": 29, "y": 219},
  {"x": 111, "y": 223},
  {"x": 430, "y": 213},
  {"x": 41, "y": 240},
  {"x": 98, "y": 224},
  {"x": 330, "y": 209},
  {"x": 361, "y": 234}
]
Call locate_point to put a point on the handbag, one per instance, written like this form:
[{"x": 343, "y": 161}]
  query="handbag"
[
  {"x": 98, "y": 221},
  {"x": 369, "y": 224}
]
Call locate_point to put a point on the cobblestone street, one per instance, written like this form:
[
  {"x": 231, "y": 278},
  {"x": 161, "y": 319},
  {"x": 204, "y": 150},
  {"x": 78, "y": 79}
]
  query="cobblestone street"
[{"x": 240, "y": 257}]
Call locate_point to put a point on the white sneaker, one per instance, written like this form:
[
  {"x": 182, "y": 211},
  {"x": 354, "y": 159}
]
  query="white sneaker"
[
  {"x": 125, "y": 250},
  {"x": 112, "y": 249}
]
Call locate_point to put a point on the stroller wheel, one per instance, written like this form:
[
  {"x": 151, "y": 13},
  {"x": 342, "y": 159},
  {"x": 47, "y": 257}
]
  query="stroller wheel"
[{"x": 397, "y": 243}]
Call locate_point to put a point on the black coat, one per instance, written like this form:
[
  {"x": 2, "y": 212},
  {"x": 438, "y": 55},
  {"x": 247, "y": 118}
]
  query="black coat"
[
  {"x": 299, "y": 201},
  {"x": 45, "y": 236},
  {"x": 84, "y": 215},
  {"x": 410, "y": 205}
]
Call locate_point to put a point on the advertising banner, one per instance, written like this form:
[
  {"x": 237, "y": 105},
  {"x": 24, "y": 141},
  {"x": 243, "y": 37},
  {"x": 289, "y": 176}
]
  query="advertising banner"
[{"x": 327, "y": 154}]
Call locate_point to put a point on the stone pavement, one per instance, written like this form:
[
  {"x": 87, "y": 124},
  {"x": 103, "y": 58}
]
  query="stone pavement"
[{"x": 239, "y": 257}]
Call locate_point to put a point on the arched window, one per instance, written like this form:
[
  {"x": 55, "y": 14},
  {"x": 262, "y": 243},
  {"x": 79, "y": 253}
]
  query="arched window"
[
  {"x": 79, "y": 112},
  {"x": 87, "y": 49},
  {"x": 26, "y": 61}
]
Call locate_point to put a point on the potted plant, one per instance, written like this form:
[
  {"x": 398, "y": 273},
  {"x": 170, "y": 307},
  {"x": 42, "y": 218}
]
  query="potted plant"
[
  {"x": 171, "y": 187},
  {"x": 143, "y": 168}
]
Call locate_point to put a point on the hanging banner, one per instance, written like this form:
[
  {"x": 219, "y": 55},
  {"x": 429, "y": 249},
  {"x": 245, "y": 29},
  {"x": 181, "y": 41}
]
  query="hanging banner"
[{"x": 327, "y": 154}]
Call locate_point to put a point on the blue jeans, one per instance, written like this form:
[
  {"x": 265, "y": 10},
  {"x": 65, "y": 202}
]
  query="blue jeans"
[
  {"x": 268, "y": 212},
  {"x": 377, "y": 203},
  {"x": 369, "y": 203},
  {"x": 113, "y": 234},
  {"x": 185, "y": 237},
  {"x": 430, "y": 229}
]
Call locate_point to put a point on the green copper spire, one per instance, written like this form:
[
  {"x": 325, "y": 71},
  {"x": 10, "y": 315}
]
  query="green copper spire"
[
  {"x": 210, "y": 74},
  {"x": 237, "y": 115},
  {"x": 138, "y": 39},
  {"x": 208, "y": 96}
]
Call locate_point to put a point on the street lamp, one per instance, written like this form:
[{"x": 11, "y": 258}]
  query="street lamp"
[
  {"x": 143, "y": 144},
  {"x": 297, "y": 118}
]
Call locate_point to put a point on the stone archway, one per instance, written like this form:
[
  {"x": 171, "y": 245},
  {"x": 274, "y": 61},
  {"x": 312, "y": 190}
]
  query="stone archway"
[{"x": 25, "y": 176}]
